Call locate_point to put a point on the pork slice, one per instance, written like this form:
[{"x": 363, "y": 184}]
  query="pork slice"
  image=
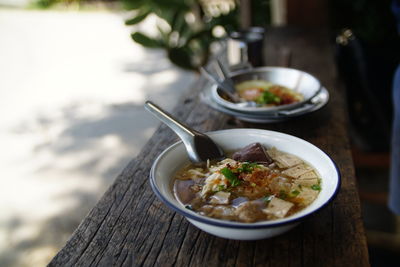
[
  {"x": 298, "y": 170},
  {"x": 253, "y": 153},
  {"x": 283, "y": 160},
  {"x": 307, "y": 195},
  {"x": 307, "y": 179},
  {"x": 279, "y": 184},
  {"x": 220, "y": 198},
  {"x": 250, "y": 212},
  {"x": 223, "y": 212},
  {"x": 278, "y": 208},
  {"x": 308, "y": 175}
]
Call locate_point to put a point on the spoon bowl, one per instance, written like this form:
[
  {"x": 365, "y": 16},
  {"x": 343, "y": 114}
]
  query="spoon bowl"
[{"x": 199, "y": 146}]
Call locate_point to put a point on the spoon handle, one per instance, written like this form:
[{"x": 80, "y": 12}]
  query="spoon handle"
[
  {"x": 223, "y": 85},
  {"x": 180, "y": 129},
  {"x": 225, "y": 73}
]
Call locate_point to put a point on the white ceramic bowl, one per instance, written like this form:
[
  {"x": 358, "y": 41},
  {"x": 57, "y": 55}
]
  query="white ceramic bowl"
[
  {"x": 175, "y": 157},
  {"x": 294, "y": 79}
]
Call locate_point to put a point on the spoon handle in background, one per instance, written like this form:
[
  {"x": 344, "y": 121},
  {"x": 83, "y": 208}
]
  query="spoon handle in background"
[
  {"x": 180, "y": 129},
  {"x": 223, "y": 85},
  {"x": 225, "y": 73}
]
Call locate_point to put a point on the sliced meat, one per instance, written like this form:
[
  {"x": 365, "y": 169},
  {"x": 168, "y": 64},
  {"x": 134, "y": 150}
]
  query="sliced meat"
[
  {"x": 283, "y": 160},
  {"x": 182, "y": 189},
  {"x": 220, "y": 198},
  {"x": 250, "y": 212},
  {"x": 221, "y": 212},
  {"x": 251, "y": 94},
  {"x": 307, "y": 195},
  {"x": 308, "y": 175},
  {"x": 298, "y": 170},
  {"x": 279, "y": 184},
  {"x": 278, "y": 208},
  {"x": 253, "y": 153},
  {"x": 307, "y": 179}
]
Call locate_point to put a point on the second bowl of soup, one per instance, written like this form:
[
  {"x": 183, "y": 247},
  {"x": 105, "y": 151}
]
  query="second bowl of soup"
[{"x": 269, "y": 89}]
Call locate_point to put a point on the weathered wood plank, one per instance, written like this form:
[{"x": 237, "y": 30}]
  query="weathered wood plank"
[{"x": 130, "y": 226}]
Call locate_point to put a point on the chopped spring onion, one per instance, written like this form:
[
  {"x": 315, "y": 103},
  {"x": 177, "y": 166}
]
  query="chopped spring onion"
[
  {"x": 268, "y": 98},
  {"x": 232, "y": 178},
  {"x": 316, "y": 187}
]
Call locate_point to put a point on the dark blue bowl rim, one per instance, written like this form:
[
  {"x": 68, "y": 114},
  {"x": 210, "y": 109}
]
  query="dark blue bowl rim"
[{"x": 236, "y": 225}]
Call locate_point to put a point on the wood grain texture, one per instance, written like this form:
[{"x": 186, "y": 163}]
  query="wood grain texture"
[{"x": 131, "y": 227}]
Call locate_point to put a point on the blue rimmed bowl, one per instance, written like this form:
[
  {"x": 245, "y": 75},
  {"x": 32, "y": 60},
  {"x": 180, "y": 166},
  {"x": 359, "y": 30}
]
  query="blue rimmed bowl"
[{"x": 174, "y": 158}]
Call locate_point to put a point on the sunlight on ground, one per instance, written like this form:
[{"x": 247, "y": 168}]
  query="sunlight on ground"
[{"x": 72, "y": 90}]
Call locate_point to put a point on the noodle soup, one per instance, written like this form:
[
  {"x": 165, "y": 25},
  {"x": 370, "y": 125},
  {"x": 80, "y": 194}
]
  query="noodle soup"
[
  {"x": 254, "y": 184},
  {"x": 267, "y": 94}
]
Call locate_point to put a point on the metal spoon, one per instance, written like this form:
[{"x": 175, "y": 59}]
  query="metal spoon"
[
  {"x": 226, "y": 87},
  {"x": 199, "y": 147},
  {"x": 225, "y": 74}
]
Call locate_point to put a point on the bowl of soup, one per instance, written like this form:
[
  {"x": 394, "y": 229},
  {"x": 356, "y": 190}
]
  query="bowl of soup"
[
  {"x": 269, "y": 89},
  {"x": 268, "y": 183}
]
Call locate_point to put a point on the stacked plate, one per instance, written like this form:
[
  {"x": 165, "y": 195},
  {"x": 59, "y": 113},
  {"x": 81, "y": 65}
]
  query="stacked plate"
[{"x": 315, "y": 96}]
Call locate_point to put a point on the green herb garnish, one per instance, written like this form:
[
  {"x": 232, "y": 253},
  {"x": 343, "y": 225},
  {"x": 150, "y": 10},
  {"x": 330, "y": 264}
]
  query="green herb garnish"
[
  {"x": 316, "y": 187},
  {"x": 232, "y": 178},
  {"x": 189, "y": 207},
  {"x": 282, "y": 195},
  {"x": 268, "y": 98},
  {"x": 267, "y": 198},
  {"x": 221, "y": 187},
  {"x": 247, "y": 167},
  {"x": 294, "y": 193}
]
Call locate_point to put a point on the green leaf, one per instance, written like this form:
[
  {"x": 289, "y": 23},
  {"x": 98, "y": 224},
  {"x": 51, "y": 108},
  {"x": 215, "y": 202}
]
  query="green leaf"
[
  {"x": 44, "y": 3},
  {"x": 232, "y": 178},
  {"x": 164, "y": 35},
  {"x": 173, "y": 4},
  {"x": 180, "y": 56},
  {"x": 203, "y": 34},
  {"x": 140, "y": 17},
  {"x": 133, "y": 4},
  {"x": 146, "y": 41},
  {"x": 177, "y": 20}
]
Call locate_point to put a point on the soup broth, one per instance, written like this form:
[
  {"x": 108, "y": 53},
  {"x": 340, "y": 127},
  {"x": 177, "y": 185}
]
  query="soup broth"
[
  {"x": 252, "y": 185},
  {"x": 266, "y": 94}
]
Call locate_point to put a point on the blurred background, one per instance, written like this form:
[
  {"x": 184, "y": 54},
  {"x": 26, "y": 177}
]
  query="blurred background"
[{"x": 74, "y": 75}]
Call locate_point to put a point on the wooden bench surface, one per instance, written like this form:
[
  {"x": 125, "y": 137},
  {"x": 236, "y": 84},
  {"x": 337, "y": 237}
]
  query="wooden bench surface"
[{"x": 130, "y": 227}]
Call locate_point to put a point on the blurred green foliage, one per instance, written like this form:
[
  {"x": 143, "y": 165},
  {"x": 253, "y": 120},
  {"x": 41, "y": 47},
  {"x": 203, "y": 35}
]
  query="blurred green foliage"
[
  {"x": 184, "y": 29},
  {"x": 49, "y": 3},
  {"x": 46, "y": 4}
]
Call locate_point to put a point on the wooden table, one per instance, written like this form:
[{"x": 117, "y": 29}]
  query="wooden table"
[{"x": 131, "y": 227}]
